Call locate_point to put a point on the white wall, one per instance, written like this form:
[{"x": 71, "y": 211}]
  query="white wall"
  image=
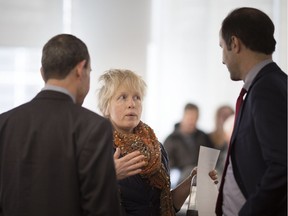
[
  {"x": 29, "y": 23},
  {"x": 116, "y": 33}
]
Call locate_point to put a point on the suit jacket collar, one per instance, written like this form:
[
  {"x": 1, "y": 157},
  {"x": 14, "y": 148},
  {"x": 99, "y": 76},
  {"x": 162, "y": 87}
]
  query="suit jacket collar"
[
  {"x": 59, "y": 89},
  {"x": 254, "y": 72},
  {"x": 266, "y": 69},
  {"x": 55, "y": 95}
]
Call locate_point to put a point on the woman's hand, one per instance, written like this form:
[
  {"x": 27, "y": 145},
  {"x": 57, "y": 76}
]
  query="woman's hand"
[
  {"x": 128, "y": 165},
  {"x": 193, "y": 172}
]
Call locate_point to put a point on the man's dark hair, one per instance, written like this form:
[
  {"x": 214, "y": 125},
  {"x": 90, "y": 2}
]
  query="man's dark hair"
[
  {"x": 253, "y": 27},
  {"x": 191, "y": 106},
  {"x": 61, "y": 54}
]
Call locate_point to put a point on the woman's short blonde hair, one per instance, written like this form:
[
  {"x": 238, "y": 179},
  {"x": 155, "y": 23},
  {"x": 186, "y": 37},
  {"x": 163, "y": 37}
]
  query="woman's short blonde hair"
[{"x": 112, "y": 79}]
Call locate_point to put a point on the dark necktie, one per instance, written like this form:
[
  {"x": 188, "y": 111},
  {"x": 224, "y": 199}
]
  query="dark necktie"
[
  {"x": 239, "y": 101},
  {"x": 220, "y": 196}
]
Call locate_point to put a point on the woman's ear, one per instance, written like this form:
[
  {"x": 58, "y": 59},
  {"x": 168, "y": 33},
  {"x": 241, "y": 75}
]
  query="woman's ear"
[{"x": 107, "y": 113}]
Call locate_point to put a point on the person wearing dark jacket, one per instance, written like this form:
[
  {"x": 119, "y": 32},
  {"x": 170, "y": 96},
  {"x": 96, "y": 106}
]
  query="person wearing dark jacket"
[
  {"x": 254, "y": 180},
  {"x": 56, "y": 157},
  {"x": 183, "y": 144}
]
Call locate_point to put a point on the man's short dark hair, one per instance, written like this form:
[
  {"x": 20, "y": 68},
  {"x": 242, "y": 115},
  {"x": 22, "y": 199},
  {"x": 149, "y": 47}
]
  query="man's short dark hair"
[
  {"x": 253, "y": 27},
  {"x": 61, "y": 54},
  {"x": 191, "y": 106}
]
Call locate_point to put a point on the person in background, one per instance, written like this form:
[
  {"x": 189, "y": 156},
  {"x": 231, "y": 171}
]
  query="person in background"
[
  {"x": 254, "y": 180},
  {"x": 228, "y": 126},
  {"x": 218, "y": 137},
  {"x": 183, "y": 144},
  {"x": 56, "y": 156},
  {"x": 148, "y": 192}
]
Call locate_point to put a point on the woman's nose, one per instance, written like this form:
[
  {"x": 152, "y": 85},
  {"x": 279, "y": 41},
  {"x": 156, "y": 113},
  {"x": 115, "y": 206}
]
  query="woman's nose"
[{"x": 131, "y": 103}]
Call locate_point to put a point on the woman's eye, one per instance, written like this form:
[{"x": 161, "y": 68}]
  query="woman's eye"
[
  {"x": 137, "y": 97},
  {"x": 122, "y": 97}
]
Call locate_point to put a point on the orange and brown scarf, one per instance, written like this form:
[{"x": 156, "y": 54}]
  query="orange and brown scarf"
[{"x": 144, "y": 140}]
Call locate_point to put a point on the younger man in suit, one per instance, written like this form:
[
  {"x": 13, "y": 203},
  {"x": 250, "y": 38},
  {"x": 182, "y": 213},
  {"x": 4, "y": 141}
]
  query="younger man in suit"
[{"x": 254, "y": 180}]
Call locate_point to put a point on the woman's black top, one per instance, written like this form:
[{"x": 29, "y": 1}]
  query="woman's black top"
[{"x": 138, "y": 198}]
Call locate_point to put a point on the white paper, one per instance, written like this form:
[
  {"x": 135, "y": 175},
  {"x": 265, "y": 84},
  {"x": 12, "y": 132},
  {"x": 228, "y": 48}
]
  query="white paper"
[{"x": 207, "y": 190}]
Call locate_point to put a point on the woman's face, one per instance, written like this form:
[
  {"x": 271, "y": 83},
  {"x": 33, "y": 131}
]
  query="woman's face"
[{"x": 125, "y": 109}]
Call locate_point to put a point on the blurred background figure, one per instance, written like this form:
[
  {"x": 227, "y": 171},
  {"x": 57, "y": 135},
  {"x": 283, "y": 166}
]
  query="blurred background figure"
[
  {"x": 183, "y": 144},
  {"x": 228, "y": 127},
  {"x": 219, "y": 138}
]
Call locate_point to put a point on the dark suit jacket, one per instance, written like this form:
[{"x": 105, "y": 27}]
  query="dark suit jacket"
[
  {"x": 259, "y": 145},
  {"x": 56, "y": 159}
]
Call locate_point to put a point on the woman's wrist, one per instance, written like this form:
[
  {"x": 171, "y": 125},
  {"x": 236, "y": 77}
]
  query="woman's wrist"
[{"x": 193, "y": 172}]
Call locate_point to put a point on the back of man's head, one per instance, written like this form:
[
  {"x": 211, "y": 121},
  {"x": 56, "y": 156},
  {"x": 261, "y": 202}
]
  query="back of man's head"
[
  {"x": 61, "y": 54},
  {"x": 253, "y": 27}
]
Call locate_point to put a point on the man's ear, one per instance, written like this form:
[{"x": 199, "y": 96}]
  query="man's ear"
[
  {"x": 43, "y": 75},
  {"x": 79, "y": 68},
  {"x": 235, "y": 44}
]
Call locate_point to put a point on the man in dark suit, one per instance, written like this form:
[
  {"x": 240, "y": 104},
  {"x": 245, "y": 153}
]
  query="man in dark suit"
[
  {"x": 183, "y": 144},
  {"x": 254, "y": 181},
  {"x": 56, "y": 157}
]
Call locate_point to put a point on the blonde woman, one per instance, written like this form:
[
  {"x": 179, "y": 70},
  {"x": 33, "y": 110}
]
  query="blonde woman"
[{"x": 140, "y": 160}]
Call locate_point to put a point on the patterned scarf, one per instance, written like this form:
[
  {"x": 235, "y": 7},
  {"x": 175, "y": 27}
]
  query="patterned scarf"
[{"x": 144, "y": 140}]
